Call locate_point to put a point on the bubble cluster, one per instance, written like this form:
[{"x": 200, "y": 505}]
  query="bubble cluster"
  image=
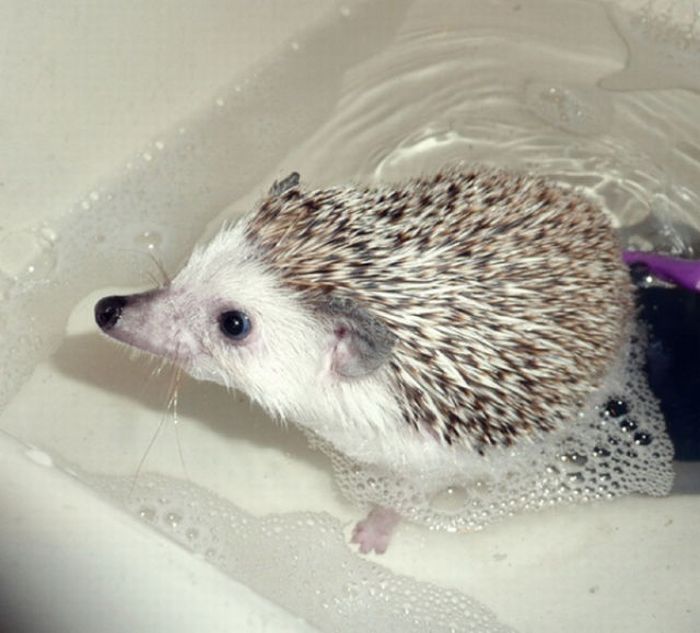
[
  {"x": 662, "y": 46},
  {"x": 616, "y": 446},
  {"x": 335, "y": 590},
  {"x": 28, "y": 256},
  {"x": 571, "y": 109}
]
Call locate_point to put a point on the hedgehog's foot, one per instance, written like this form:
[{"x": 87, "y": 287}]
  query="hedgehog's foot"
[{"x": 374, "y": 532}]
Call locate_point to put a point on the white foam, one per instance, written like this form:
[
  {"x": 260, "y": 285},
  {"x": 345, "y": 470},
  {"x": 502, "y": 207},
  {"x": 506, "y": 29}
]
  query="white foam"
[{"x": 300, "y": 561}]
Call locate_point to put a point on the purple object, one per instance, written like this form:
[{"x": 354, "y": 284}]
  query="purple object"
[{"x": 682, "y": 272}]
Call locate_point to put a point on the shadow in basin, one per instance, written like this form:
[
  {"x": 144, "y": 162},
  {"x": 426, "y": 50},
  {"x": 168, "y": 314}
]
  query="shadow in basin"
[{"x": 94, "y": 360}]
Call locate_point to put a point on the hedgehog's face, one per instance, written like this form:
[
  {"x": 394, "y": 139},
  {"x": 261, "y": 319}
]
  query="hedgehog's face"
[
  {"x": 231, "y": 326},
  {"x": 225, "y": 318}
]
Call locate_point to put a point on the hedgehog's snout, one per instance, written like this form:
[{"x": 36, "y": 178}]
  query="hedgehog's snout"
[
  {"x": 150, "y": 321},
  {"x": 108, "y": 311}
]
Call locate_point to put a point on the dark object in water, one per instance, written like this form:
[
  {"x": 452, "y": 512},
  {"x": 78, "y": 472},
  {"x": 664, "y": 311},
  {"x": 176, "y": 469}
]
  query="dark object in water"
[{"x": 672, "y": 316}]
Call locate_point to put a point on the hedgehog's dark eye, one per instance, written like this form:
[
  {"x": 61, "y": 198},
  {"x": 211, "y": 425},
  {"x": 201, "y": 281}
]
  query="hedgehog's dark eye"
[{"x": 234, "y": 324}]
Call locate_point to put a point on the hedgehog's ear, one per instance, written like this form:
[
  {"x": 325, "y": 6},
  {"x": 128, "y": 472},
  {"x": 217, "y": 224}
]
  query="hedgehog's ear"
[
  {"x": 280, "y": 186},
  {"x": 361, "y": 342}
]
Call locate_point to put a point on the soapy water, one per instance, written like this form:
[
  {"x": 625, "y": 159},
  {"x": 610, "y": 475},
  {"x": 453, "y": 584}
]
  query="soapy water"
[
  {"x": 582, "y": 106},
  {"x": 337, "y": 591},
  {"x": 616, "y": 446}
]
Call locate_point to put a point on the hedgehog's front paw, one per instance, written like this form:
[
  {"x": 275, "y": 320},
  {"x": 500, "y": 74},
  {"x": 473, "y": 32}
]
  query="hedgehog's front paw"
[{"x": 374, "y": 532}]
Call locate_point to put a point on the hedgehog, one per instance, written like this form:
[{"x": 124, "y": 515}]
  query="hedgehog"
[{"x": 409, "y": 326}]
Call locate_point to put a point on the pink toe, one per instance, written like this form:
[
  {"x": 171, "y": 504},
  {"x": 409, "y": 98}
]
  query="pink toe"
[{"x": 374, "y": 532}]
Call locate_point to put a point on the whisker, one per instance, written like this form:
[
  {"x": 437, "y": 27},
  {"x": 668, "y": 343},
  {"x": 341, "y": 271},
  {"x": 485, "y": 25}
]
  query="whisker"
[
  {"x": 173, "y": 391},
  {"x": 172, "y": 406},
  {"x": 162, "y": 364},
  {"x": 165, "y": 277},
  {"x": 145, "y": 455},
  {"x": 153, "y": 279}
]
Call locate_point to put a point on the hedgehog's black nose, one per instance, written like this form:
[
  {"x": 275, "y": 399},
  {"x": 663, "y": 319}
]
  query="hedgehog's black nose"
[{"x": 108, "y": 311}]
